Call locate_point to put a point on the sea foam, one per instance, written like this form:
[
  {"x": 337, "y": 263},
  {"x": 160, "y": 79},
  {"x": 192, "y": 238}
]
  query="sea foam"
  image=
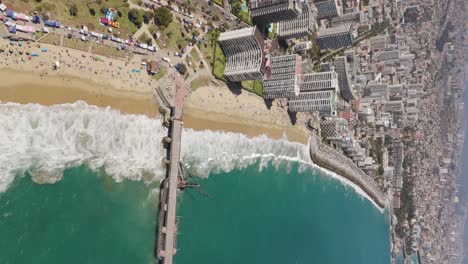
[
  {"x": 45, "y": 140},
  {"x": 206, "y": 152}
]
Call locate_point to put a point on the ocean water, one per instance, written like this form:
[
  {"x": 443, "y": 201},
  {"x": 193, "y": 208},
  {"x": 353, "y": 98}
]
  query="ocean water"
[
  {"x": 78, "y": 186},
  {"x": 86, "y": 217},
  {"x": 279, "y": 215}
]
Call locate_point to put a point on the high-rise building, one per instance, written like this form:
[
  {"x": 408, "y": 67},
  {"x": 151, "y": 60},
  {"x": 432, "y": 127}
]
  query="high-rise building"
[
  {"x": 318, "y": 93},
  {"x": 335, "y": 37},
  {"x": 350, "y": 18},
  {"x": 377, "y": 91},
  {"x": 327, "y": 8},
  {"x": 243, "y": 49},
  {"x": 342, "y": 68},
  {"x": 282, "y": 78},
  {"x": 269, "y": 11},
  {"x": 323, "y": 102},
  {"x": 301, "y": 26}
]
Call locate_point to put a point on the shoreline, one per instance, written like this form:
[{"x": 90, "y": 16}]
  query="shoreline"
[
  {"x": 200, "y": 119},
  {"x": 30, "y": 87},
  {"x": 27, "y": 87}
]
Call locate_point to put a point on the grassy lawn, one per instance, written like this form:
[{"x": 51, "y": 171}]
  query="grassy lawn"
[
  {"x": 173, "y": 37},
  {"x": 59, "y": 10},
  {"x": 107, "y": 51},
  {"x": 253, "y": 86},
  {"x": 213, "y": 54},
  {"x": 160, "y": 73},
  {"x": 195, "y": 56},
  {"x": 219, "y": 2},
  {"x": 219, "y": 62},
  {"x": 38, "y": 34},
  {"x": 201, "y": 82},
  {"x": 244, "y": 16},
  {"x": 51, "y": 39},
  {"x": 194, "y": 59},
  {"x": 76, "y": 44}
]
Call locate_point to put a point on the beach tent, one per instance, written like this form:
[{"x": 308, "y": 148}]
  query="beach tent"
[
  {"x": 104, "y": 21},
  {"x": 3, "y": 7},
  {"x": 26, "y": 29},
  {"x": 23, "y": 17},
  {"x": 52, "y": 23},
  {"x": 12, "y": 43},
  {"x": 13, "y": 29},
  {"x": 34, "y": 54},
  {"x": 44, "y": 49},
  {"x": 10, "y": 13},
  {"x": 36, "y": 19}
]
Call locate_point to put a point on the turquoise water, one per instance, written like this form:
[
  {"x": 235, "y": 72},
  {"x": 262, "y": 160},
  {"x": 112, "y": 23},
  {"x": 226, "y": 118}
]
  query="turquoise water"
[
  {"x": 272, "y": 216},
  {"x": 83, "y": 218},
  {"x": 283, "y": 216}
]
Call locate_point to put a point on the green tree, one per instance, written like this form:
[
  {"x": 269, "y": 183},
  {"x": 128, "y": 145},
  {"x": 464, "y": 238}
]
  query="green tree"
[
  {"x": 182, "y": 68},
  {"x": 73, "y": 10},
  {"x": 216, "y": 18},
  {"x": 147, "y": 16},
  {"x": 135, "y": 17},
  {"x": 163, "y": 16}
]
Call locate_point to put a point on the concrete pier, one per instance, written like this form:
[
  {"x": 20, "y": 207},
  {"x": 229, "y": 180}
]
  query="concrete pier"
[{"x": 167, "y": 227}]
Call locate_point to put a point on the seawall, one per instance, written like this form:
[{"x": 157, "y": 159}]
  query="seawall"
[{"x": 328, "y": 158}]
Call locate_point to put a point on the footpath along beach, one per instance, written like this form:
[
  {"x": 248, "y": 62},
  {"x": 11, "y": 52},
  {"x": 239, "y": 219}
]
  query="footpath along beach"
[{"x": 104, "y": 82}]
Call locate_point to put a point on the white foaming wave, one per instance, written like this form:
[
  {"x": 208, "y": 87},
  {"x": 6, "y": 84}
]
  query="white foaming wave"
[
  {"x": 206, "y": 152},
  {"x": 45, "y": 140}
]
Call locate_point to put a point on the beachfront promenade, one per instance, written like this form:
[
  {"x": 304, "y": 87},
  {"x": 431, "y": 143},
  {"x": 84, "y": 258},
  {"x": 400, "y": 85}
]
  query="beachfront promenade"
[
  {"x": 167, "y": 227},
  {"x": 326, "y": 157}
]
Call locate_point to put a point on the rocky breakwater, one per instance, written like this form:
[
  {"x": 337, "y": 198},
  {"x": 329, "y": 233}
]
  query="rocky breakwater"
[{"x": 330, "y": 159}]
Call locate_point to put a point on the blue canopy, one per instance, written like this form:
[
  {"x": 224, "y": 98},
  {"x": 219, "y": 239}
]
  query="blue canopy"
[
  {"x": 10, "y": 13},
  {"x": 36, "y": 19}
]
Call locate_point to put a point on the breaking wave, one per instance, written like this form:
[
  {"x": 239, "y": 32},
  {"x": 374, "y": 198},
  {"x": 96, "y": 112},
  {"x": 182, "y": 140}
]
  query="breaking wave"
[
  {"x": 206, "y": 152},
  {"x": 45, "y": 140}
]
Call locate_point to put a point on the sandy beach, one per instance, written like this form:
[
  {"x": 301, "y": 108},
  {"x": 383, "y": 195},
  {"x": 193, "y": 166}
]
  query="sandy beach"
[
  {"x": 108, "y": 82},
  {"x": 219, "y": 108},
  {"x": 28, "y": 87}
]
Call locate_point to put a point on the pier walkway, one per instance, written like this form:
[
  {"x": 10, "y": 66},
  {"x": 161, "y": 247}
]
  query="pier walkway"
[{"x": 167, "y": 229}]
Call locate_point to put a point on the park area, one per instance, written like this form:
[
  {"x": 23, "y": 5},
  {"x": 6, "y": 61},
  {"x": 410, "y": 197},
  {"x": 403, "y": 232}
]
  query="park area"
[
  {"x": 88, "y": 13},
  {"x": 173, "y": 36},
  {"x": 108, "y": 51},
  {"x": 76, "y": 44},
  {"x": 51, "y": 38},
  {"x": 213, "y": 54}
]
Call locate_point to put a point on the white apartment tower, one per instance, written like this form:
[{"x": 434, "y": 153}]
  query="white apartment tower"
[
  {"x": 335, "y": 37},
  {"x": 301, "y": 26},
  {"x": 327, "y": 8},
  {"x": 244, "y": 54},
  {"x": 318, "y": 93},
  {"x": 270, "y": 11},
  {"x": 283, "y": 78}
]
